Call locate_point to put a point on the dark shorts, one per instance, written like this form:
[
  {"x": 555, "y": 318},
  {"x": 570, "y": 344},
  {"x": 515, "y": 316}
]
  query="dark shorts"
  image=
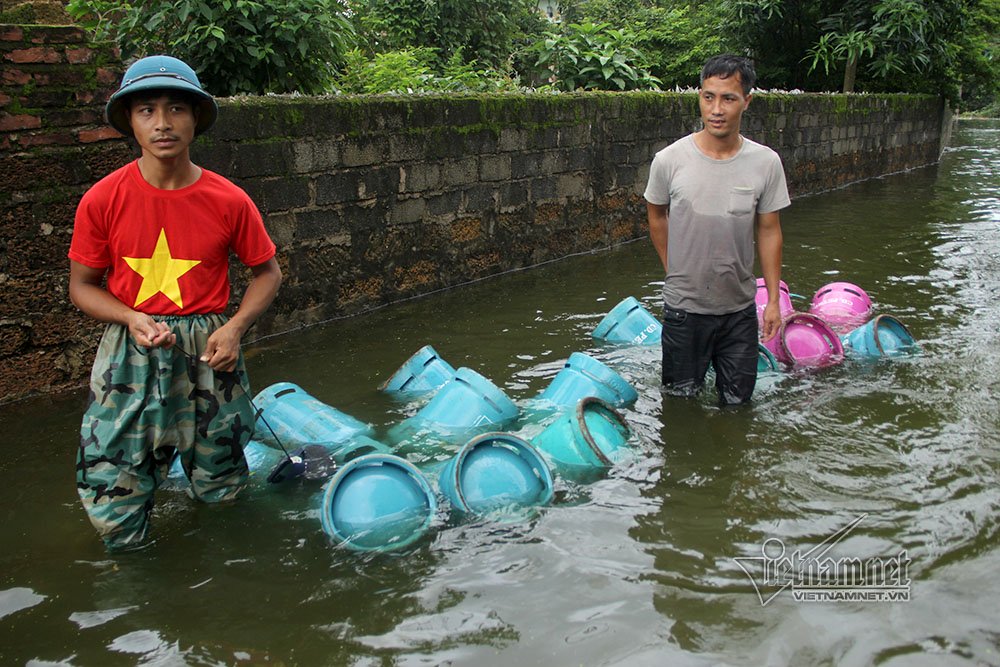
[{"x": 692, "y": 341}]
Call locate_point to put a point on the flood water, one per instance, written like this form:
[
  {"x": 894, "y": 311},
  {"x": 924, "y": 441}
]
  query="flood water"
[{"x": 636, "y": 568}]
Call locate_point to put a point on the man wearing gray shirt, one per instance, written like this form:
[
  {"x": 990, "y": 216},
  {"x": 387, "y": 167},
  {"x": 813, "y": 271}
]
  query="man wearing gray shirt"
[{"x": 709, "y": 193}]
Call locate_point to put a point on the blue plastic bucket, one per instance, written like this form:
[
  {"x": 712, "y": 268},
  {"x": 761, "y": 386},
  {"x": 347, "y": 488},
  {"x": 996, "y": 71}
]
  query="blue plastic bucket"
[
  {"x": 425, "y": 371},
  {"x": 593, "y": 436},
  {"x": 629, "y": 322},
  {"x": 584, "y": 376},
  {"x": 298, "y": 419},
  {"x": 766, "y": 362},
  {"x": 494, "y": 471},
  {"x": 882, "y": 336},
  {"x": 377, "y": 502},
  {"x": 466, "y": 402}
]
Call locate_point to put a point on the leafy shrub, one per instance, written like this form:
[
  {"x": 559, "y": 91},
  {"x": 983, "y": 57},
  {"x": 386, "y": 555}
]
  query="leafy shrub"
[
  {"x": 236, "y": 46},
  {"x": 591, "y": 56},
  {"x": 413, "y": 71}
]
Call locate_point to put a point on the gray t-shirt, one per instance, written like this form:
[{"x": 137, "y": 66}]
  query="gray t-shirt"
[{"x": 712, "y": 206}]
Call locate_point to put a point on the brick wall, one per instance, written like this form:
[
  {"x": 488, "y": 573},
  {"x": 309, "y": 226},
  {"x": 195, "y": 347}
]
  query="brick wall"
[{"x": 372, "y": 200}]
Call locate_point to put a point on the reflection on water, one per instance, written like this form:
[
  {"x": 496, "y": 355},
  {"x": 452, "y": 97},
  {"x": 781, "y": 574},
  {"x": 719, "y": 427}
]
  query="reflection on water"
[{"x": 635, "y": 568}]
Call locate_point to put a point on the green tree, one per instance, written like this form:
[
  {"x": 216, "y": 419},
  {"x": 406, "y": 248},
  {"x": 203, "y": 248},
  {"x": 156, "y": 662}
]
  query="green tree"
[
  {"x": 482, "y": 30},
  {"x": 676, "y": 38},
  {"x": 236, "y": 46}
]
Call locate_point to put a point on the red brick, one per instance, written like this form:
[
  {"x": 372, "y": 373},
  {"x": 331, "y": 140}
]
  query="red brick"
[
  {"x": 19, "y": 122},
  {"x": 105, "y": 75},
  {"x": 15, "y": 76},
  {"x": 79, "y": 56},
  {"x": 4, "y": 100},
  {"x": 46, "y": 139},
  {"x": 103, "y": 134},
  {"x": 57, "y": 35},
  {"x": 9, "y": 33},
  {"x": 37, "y": 54}
]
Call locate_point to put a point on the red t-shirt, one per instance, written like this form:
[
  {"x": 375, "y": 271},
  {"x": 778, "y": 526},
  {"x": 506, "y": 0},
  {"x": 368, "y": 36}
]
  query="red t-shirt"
[{"x": 167, "y": 251}]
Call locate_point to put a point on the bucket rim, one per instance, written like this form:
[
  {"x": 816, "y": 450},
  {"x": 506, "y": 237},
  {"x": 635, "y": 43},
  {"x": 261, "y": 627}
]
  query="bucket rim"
[
  {"x": 817, "y": 322},
  {"x": 891, "y": 321},
  {"x": 580, "y": 424},
  {"x": 534, "y": 459},
  {"x": 369, "y": 460}
]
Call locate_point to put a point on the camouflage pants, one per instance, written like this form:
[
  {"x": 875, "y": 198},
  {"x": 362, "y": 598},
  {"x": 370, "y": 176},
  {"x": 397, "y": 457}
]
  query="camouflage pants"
[{"x": 145, "y": 406}]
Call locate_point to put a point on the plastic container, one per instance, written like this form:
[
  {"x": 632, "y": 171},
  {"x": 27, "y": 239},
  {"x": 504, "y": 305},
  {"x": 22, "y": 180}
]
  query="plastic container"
[
  {"x": 883, "y": 336},
  {"x": 377, "y": 502},
  {"x": 496, "y": 471},
  {"x": 466, "y": 403},
  {"x": 298, "y": 419},
  {"x": 584, "y": 376},
  {"x": 629, "y": 322},
  {"x": 423, "y": 372},
  {"x": 785, "y": 307},
  {"x": 586, "y": 440},
  {"x": 806, "y": 340},
  {"x": 844, "y": 306}
]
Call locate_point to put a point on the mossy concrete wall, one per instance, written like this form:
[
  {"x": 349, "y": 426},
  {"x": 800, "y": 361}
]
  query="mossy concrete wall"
[{"x": 373, "y": 200}]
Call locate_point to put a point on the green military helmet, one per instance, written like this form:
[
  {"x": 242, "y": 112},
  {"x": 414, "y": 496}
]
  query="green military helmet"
[{"x": 159, "y": 73}]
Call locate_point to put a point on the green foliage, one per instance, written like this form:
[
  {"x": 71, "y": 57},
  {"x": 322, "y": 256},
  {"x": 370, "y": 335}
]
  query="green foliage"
[
  {"x": 236, "y": 46},
  {"x": 591, "y": 56},
  {"x": 675, "y": 38},
  {"x": 485, "y": 31},
  {"x": 413, "y": 71},
  {"x": 931, "y": 46}
]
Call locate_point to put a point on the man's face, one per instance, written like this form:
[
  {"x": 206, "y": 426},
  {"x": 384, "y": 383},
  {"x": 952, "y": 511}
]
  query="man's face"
[
  {"x": 722, "y": 103},
  {"x": 163, "y": 125}
]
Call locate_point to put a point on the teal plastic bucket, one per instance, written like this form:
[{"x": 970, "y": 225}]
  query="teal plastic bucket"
[
  {"x": 584, "y": 376},
  {"x": 766, "y": 362},
  {"x": 298, "y": 419},
  {"x": 377, "y": 502},
  {"x": 424, "y": 372},
  {"x": 467, "y": 401},
  {"x": 496, "y": 471},
  {"x": 593, "y": 436},
  {"x": 882, "y": 336},
  {"x": 629, "y": 322}
]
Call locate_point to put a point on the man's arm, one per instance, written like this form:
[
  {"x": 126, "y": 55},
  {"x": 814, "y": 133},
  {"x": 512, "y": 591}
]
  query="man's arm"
[
  {"x": 769, "y": 250},
  {"x": 223, "y": 347},
  {"x": 657, "y": 216},
  {"x": 86, "y": 291}
]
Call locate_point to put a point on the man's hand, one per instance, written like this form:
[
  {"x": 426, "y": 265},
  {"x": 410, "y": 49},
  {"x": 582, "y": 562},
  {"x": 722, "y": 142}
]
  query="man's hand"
[
  {"x": 149, "y": 333},
  {"x": 222, "y": 350},
  {"x": 771, "y": 321}
]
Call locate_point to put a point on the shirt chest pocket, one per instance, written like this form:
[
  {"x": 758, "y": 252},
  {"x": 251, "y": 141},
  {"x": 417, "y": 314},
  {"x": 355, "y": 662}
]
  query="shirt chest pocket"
[{"x": 742, "y": 201}]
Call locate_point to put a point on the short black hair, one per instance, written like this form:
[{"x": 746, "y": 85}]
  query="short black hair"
[
  {"x": 190, "y": 99},
  {"x": 725, "y": 65}
]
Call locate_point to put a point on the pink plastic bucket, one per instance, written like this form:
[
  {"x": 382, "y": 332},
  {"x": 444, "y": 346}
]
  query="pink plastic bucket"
[
  {"x": 784, "y": 301},
  {"x": 806, "y": 340},
  {"x": 844, "y": 306}
]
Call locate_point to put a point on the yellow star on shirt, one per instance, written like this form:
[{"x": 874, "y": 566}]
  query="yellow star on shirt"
[{"x": 160, "y": 272}]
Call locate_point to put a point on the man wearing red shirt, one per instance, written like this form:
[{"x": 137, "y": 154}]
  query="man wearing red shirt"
[{"x": 168, "y": 378}]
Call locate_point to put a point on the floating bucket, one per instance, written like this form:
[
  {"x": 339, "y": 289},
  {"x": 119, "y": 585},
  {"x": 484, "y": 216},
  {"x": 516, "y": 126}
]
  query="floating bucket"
[
  {"x": 766, "y": 361},
  {"x": 843, "y": 306},
  {"x": 298, "y": 419},
  {"x": 882, "y": 336},
  {"x": 466, "y": 402},
  {"x": 377, "y": 502},
  {"x": 806, "y": 340},
  {"x": 588, "y": 439},
  {"x": 784, "y": 300},
  {"x": 495, "y": 471},
  {"x": 629, "y": 322},
  {"x": 584, "y": 376},
  {"x": 424, "y": 372}
]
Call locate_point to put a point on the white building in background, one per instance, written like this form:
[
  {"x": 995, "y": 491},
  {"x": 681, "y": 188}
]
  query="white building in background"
[{"x": 550, "y": 8}]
